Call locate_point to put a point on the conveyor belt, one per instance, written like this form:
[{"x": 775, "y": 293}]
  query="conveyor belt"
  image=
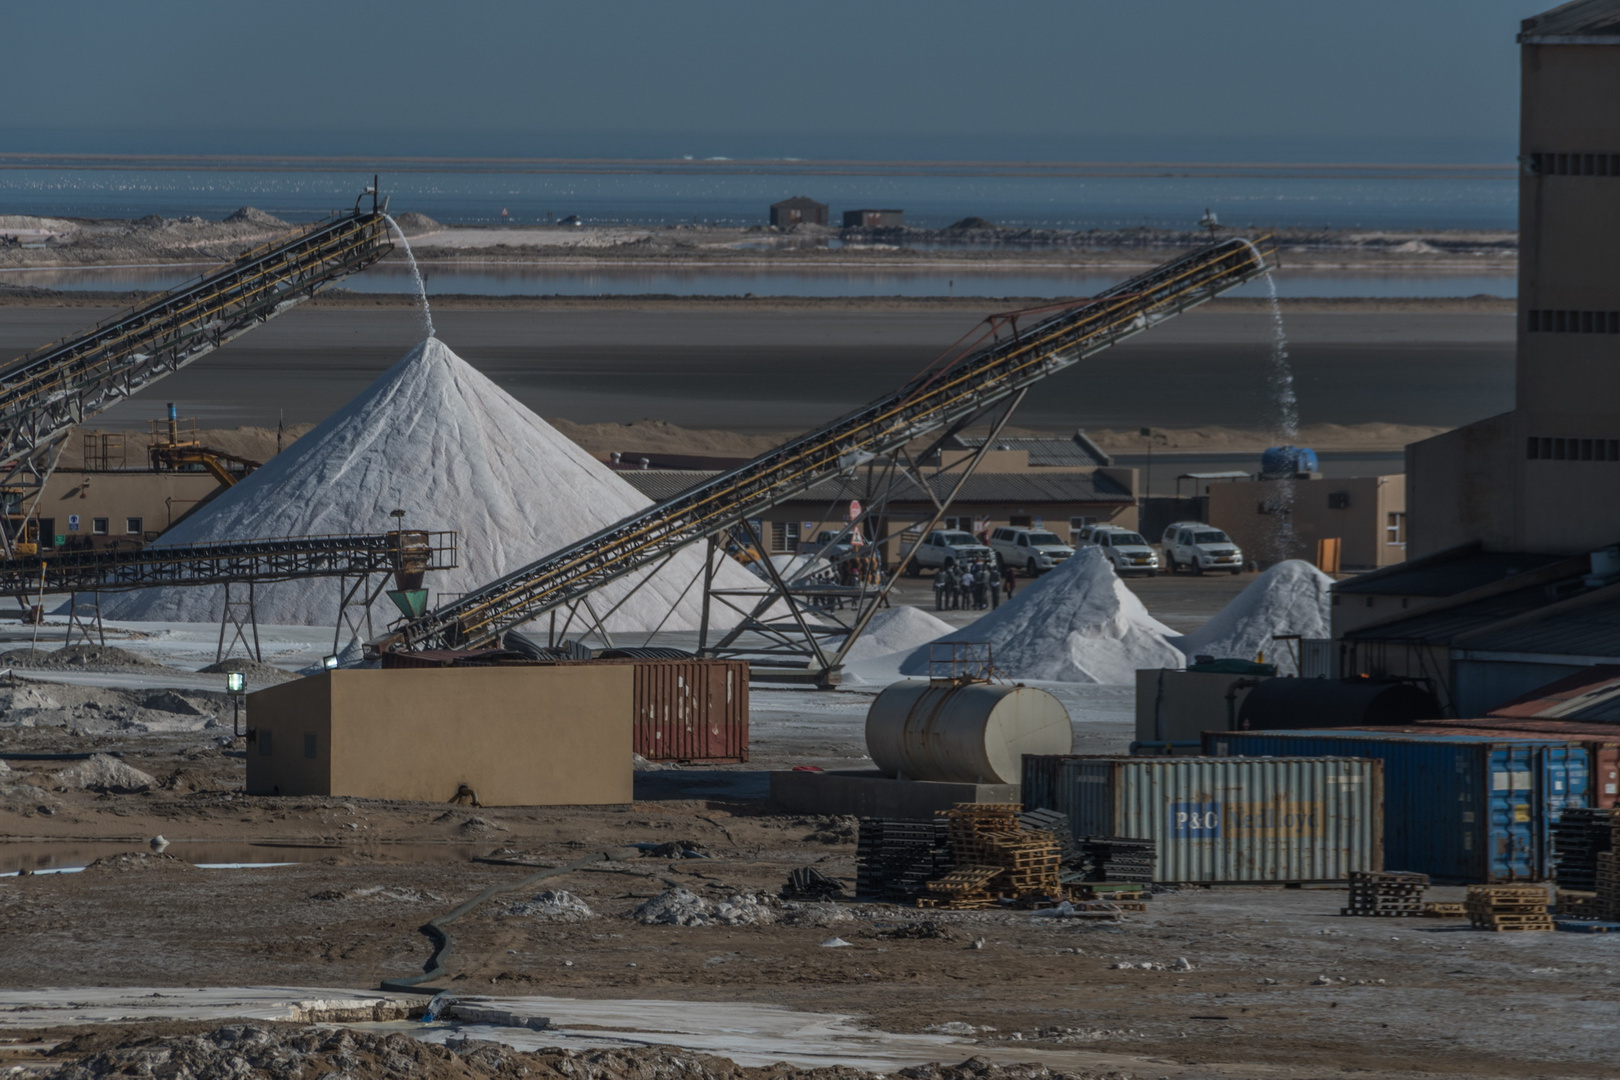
[
  {"x": 258, "y": 561},
  {"x": 934, "y": 400},
  {"x": 48, "y": 392}
]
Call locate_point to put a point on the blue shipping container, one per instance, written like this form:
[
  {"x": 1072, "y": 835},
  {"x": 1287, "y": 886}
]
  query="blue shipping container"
[{"x": 1463, "y": 808}]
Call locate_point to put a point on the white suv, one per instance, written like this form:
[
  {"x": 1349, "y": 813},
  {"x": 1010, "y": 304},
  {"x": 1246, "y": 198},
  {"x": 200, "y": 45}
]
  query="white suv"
[
  {"x": 1200, "y": 547},
  {"x": 947, "y": 547},
  {"x": 1126, "y": 549},
  {"x": 1030, "y": 550}
]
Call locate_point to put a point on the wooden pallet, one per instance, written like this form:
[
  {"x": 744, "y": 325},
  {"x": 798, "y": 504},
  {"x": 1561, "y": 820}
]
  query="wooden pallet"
[
  {"x": 1439, "y": 910},
  {"x": 1512, "y": 922}
]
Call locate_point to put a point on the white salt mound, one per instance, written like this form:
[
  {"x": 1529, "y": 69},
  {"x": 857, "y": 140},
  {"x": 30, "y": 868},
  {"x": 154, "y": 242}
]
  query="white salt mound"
[
  {"x": 434, "y": 438},
  {"x": 1078, "y": 623},
  {"x": 896, "y": 629},
  {"x": 1292, "y": 597}
]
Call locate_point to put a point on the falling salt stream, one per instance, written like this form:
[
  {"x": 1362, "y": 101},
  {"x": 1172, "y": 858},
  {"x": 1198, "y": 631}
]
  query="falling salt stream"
[
  {"x": 416, "y": 274},
  {"x": 1281, "y": 379}
]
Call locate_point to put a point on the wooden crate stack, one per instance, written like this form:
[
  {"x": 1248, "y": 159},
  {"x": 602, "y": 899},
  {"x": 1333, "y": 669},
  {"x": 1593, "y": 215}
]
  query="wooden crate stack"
[
  {"x": 995, "y": 858},
  {"x": 1508, "y": 907},
  {"x": 1386, "y": 893}
]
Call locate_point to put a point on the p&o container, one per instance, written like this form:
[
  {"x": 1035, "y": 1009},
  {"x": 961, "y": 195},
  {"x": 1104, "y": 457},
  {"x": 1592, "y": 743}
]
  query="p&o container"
[
  {"x": 1462, "y": 808},
  {"x": 1224, "y": 819}
]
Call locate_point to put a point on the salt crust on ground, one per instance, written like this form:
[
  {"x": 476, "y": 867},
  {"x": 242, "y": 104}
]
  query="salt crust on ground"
[
  {"x": 1078, "y": 623},
  {"x": 1292, "y": 597},
  {"x": 435, "y": 438}
]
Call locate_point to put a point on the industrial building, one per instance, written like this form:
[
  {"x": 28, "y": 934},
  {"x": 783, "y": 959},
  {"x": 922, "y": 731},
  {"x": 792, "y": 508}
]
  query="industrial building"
[
  {"x": 1366, "y": 515},
  {"x": 798, "y": 210},
  {"x": 874, "y": 219}
]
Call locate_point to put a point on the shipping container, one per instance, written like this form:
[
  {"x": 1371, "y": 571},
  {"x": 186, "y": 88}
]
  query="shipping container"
[
  {"x": 1460, "y": 808},
  {"x": 685, "y": 709},
  {"x": 1602, "y": 743},
  {"x": 1224, "y": 819}
]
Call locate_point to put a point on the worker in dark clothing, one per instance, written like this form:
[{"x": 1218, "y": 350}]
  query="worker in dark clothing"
[
  {"x": 995, "y": 577},
  {"x": 1009, "y": 581}
]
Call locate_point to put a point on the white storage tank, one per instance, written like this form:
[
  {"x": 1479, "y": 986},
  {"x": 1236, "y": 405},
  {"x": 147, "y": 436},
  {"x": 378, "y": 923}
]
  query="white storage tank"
[{"x": 964, "y": 732}]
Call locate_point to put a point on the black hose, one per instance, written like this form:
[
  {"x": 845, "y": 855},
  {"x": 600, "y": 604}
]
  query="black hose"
[{"x": 443, "y": 946}]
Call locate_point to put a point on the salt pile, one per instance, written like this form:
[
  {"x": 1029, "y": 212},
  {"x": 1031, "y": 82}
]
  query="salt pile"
[
  {"x": 1292, "y": 597},
  {"x": 681, "y": 907},
  {"x": 1079, "y": 623},
  {"x": 558, "y": 906},
  {"x": 896, "y": 629},
  {"x": 434, "y": 438}
]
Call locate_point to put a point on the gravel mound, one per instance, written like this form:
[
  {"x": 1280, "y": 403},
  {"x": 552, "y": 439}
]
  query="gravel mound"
[
  {"x": 253, "y": 1052},
  {"x": 253, "y": 669},
  {"x": 137, "y": 862},
  {"x": 99, "y": 772},
  {"x": 98, "y": 710},
  {"x": 413, "y": 224},
  {"x": 679, "y": 907},
  {"x": 76, "y": 656},
  {"x": 558, "y": 906},
  {"x": 252, "y": 215}
]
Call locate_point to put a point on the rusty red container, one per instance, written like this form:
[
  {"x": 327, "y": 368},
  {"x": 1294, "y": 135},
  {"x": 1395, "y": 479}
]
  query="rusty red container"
[{"x": 691, "y": 710}]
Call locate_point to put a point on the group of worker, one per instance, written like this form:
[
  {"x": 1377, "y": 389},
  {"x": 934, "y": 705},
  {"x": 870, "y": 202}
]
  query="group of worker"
[{"x": 976, "y": 585}]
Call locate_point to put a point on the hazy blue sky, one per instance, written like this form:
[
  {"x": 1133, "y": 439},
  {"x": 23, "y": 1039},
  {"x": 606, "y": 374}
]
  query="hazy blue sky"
[{"x": 1072, "y": 79}]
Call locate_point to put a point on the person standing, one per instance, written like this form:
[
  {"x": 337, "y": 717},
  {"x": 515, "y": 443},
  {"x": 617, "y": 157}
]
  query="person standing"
[
  {"x": 964, "y": 587},
  {"x": 1009, "y": 580},
  {"x": 995, "y": 589},
  {"x": 981, "y": 585},
  {"x": 941, "y": 580}
]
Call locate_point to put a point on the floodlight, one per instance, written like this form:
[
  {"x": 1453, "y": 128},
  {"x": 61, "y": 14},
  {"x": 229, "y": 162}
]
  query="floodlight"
[
  {"x": 235, "y": 682},
  {"x": 330, "y": 663}
]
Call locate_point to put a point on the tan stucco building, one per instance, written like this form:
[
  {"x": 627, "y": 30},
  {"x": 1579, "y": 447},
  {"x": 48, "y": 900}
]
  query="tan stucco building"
[
  {"x": 517, "y": 736},
  {"x": 1546, "y": 476},
  {"x": 1366, "y": 514}
]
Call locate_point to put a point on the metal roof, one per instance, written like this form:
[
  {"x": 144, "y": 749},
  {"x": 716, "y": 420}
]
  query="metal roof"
[
  {"x": 798, "y": 202},
  {"x": 1580, "y": 19},
  {"x": 1445, "y": 574},
  {"x": 1023, "y": 488},
  {"x": 1440, "y": 627},
  {"x": 1045, "y": 450},
  {"x": 1593, "y": 694},
  {"x": 1592, "y": 630}
]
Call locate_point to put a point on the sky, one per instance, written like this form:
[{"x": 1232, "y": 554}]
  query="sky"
[{"x": 1122, "y": 80}]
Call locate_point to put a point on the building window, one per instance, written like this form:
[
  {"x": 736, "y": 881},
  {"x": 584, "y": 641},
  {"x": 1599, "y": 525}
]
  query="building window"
[
  {"x": 1076, "y": 524},
  {"x": 1564, "y": 321},
  {"x": 1547, "y": 448},
  {"x": 1395, "y": 529},
  {"x": 1338, "y": 500},
  {"x": 784, "y": 537},
  {"x": 132, "y": 526},
  {"x": 1020, "y": 521},
  {"x": 98, "y": 526},
  {"x": 265, "y": 746},
  {"x": 1550, "y": 164},
  {"x": 309, "y": 744},
  {"x": 962, "y": 524}
]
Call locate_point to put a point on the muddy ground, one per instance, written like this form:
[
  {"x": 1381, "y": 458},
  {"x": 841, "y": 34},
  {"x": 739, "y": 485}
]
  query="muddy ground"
[{"x": 1274, "y": 977}]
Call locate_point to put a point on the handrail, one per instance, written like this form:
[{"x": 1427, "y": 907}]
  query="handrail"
[{"x": 949, "y": 392}]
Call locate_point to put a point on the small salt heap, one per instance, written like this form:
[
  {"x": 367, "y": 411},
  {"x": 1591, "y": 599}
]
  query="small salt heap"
[
  {"x": 1292, "y": 597},
  {"x": 895, "y": 630},
  {"x": 437, "y": 439},
  {"x": 1079, "y": 623}
]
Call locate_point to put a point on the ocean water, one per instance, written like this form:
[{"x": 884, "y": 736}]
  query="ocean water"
[{"x": 622, "y": 192}]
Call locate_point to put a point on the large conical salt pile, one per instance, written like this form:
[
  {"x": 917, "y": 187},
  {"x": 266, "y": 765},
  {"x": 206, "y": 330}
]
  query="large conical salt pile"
[
  {"x": 1078, "y": 623},
  {"x": 1292, "y": 597},
  {"x": 434, "y": 438}
]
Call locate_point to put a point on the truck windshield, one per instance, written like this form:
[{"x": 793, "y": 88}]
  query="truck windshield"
[
  {"x": 1127, "y": 539},
  {"x": 1213, "y": 536},
  {"x": 956, "y": 539},
  {"x": 1044, "y": 538}
]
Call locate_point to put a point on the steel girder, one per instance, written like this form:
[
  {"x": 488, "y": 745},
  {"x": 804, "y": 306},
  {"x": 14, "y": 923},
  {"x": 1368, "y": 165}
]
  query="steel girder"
[{"x": 937, "y": 398}]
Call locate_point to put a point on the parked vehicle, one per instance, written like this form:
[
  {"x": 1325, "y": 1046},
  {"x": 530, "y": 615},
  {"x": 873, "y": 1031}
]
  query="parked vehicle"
[
  {"x": 1125, "y": 548},
  {"x": 1033, "y": 551},
  {"x": 1199, "y": 547},
  {"x": 947, "y": 547},
  {"x": 827, "y": 542}
]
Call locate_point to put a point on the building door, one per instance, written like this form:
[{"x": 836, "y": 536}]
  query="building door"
[{"x": 47, "y": 532}]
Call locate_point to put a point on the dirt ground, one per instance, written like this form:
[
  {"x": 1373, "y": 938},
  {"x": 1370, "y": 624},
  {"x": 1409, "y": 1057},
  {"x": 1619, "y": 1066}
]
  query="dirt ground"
[{"x": 1277, "y": 978}]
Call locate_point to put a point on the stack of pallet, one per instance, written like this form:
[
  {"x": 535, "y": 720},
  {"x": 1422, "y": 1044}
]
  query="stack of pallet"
[
  {"x": 895, "y": 859},
  {"x": 1606, "y": 880},
  {"x": 1580, "y": 836},
  {"x": 1576, "y": 904},
  {"x": 1508, "y": 907},
  {"x": 986, "y": 835},
  {"x": 1386, "y": 893},
  {"x": 1117, "y": 858}
]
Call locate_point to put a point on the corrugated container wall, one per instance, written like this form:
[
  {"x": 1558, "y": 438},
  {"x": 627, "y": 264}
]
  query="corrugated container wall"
[
  {"x": 1602, "y": 742},
  {"x": 1463, "y": 808},
  {"x": 1224, "y": 819},
  {"x": 691, "y": 710}
]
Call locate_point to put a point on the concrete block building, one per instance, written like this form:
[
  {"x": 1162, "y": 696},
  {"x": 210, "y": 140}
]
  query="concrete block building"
[{"x": 798, "y": 210}]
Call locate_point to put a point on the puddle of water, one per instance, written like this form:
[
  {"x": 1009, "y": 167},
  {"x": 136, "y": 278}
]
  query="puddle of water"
[{"x": 45, "y": 857}]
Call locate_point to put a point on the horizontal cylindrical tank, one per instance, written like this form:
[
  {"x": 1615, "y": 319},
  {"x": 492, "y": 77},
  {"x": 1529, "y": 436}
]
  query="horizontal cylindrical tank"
[
  {"x": 1233, "y": 819},
  {"x": 964, "y": 733},
  {"x": 1279, "y": 704}
]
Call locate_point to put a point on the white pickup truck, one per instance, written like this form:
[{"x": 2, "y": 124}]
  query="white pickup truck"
[
  {"x": 947, "y": 547},
  {"x": 1200, "y": 547}
]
